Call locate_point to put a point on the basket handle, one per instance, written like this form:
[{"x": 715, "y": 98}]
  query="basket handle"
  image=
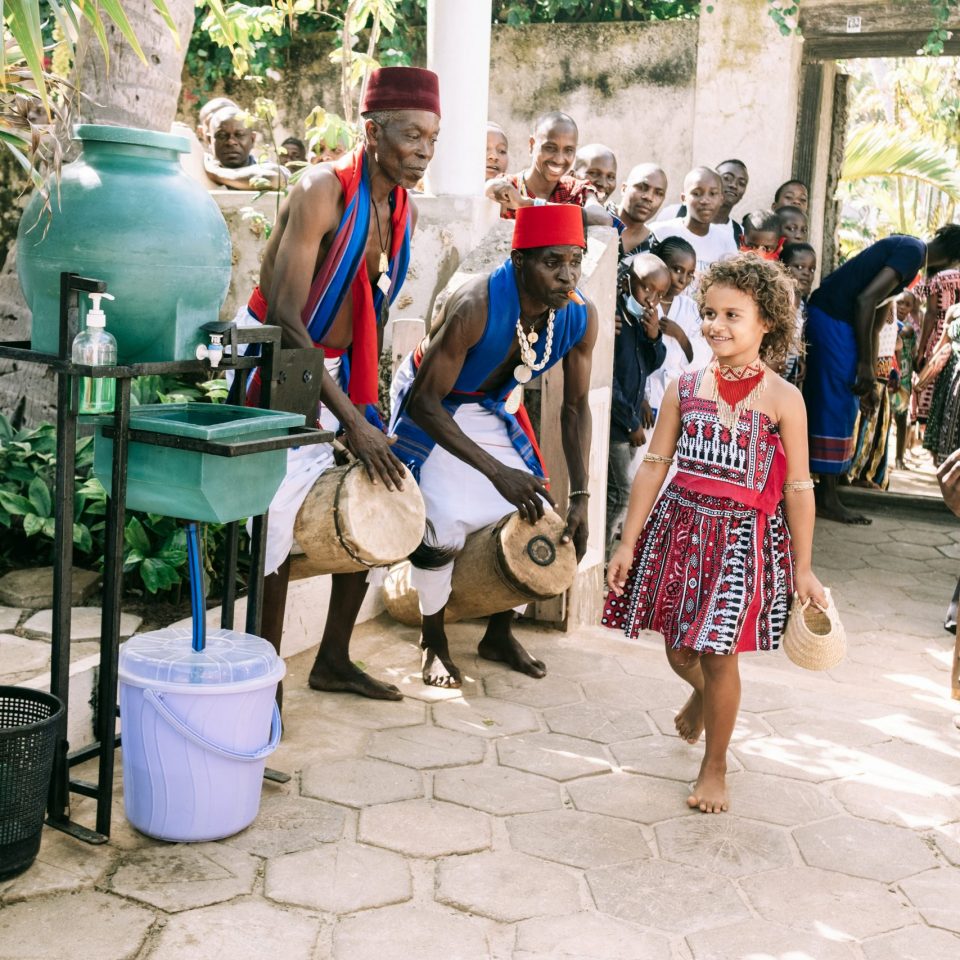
[
  {"x": 806, "y": 603},
  {"x": 156, "y": 699}
]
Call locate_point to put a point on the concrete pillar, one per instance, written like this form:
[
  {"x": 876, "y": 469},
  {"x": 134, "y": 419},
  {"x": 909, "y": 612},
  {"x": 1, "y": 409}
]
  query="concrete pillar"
[
  {"x": 747, "y": 94},
  {"x": 458, "y": 50}
]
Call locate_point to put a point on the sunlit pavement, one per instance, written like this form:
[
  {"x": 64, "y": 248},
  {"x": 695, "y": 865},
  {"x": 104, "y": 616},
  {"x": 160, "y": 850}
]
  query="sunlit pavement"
[{"x": 523, "y": 819}]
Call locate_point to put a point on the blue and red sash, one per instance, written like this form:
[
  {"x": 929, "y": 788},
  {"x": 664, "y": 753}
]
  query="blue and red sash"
[
  {"x": 343, "y": 271},
  {"x": 414, "y": 445}
]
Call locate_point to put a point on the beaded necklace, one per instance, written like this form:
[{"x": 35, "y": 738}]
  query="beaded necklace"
[{"x": 736, "y": 388}]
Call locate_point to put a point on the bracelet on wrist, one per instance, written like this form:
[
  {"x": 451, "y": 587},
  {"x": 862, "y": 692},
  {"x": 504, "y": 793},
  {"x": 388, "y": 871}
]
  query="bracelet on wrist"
[{"x": 579, "y": 493}]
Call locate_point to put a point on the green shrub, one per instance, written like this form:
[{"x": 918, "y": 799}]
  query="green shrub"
[{"x": 155, "y": 547}]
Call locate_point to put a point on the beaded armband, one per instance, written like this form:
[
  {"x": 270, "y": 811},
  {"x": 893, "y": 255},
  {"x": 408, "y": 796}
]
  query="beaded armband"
[
  {"x": 792, "y": 485},
  {"x": 656, "y": 458}
]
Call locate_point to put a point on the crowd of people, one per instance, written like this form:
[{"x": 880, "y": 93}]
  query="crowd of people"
[{"x": 718, "y": 327}]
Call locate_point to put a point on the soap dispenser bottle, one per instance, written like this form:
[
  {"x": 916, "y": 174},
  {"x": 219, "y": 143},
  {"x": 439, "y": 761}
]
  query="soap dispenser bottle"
[{"x": 95, "y": 347}]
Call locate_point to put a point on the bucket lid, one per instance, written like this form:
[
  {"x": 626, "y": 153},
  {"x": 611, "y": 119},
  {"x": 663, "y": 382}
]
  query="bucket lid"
[{"x": 167, "y": 657}]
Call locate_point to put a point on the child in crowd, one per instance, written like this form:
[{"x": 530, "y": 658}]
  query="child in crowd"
[
  {"x": 680, "y": 323},
  {"x": 793, "y": 193},
  {"x": 597, "y": 164},
  {"x": 869, "y": 467},
  {"x": 702, "y": 196},
  {"x": 713, "y": 565},
  {"x": 637, "y": 351},
  {"x": 800, "y": 261},
  {"x": 293, "y": 151},
  {"x": 761, "y": 234},
  {"x": 794, "y": 226},
  {"x": 905, "y": 359},
  {"x": 497, "y": 151}
]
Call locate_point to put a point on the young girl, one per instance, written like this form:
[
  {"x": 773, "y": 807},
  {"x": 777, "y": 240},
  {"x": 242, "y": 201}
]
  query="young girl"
[{"x": 714, "y": 566}]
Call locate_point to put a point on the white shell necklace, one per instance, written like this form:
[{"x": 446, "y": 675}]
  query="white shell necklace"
[{"x": 524, "y": 371}]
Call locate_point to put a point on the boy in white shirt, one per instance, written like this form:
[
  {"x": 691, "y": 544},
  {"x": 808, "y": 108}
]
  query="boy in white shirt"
[{"x": 702, "y": 195}]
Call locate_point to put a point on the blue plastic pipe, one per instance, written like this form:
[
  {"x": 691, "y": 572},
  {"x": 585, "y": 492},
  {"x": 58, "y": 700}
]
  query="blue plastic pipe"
[{"x": 198, "y": 606}]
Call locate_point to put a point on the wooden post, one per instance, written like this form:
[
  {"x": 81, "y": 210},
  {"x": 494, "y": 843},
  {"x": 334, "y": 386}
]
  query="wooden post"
[
  {"x": 407, "y": 333},
  {"x": 583, "y": 602}
]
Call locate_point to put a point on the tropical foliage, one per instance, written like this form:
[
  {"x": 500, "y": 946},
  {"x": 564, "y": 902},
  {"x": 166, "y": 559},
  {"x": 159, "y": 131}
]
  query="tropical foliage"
[
  {"x": 30, "y": 89},
  {"x": 900, "y": 169},
  {"x": 155, "y": 547}
]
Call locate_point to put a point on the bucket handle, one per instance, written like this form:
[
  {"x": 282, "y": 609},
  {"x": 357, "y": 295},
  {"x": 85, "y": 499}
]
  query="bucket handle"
[{"x": 276, "y": 728}]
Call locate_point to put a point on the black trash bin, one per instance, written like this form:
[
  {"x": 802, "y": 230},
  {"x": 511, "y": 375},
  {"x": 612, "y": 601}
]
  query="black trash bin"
[{"x": 29, "y": 727}]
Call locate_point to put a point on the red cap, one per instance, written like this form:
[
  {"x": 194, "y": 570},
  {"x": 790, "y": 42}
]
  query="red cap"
[
  {"x": 402, "y": 88},
  {"x": 552, "y": 225}
]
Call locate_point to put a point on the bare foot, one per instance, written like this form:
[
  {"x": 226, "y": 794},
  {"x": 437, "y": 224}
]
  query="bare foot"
[
  {"x": 710, "y": 792},
  {"x": 349, "y": 678},
  {"x": 439, "y": 670},
  {"x": 505, "y": 648},
  {"x": 842, "y": 515},
  {"x": 689, "y": 721}
]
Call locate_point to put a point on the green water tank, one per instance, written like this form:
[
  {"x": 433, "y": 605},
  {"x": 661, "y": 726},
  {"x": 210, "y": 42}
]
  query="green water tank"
[{"x": 126, "y": 212}]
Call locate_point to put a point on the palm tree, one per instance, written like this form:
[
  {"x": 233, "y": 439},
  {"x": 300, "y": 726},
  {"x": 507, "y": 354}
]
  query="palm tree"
[{"x": 900, "y": 165}]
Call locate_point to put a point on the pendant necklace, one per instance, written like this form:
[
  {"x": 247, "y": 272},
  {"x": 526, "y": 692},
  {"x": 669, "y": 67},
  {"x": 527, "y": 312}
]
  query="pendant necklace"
[
  {"x": 383, "y": 283},
  {"x": 735, "y": 389},
  {"x": 524, "y": 371}
]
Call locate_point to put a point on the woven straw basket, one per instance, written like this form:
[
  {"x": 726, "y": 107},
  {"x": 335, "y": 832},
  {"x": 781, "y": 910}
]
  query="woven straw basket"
[{"x": 814, "y": 637}]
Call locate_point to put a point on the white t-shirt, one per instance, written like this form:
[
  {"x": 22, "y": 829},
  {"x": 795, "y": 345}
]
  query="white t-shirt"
[
  {"x": 716, "y": 245},
  {"x": 684, "y": 312},
  {"x": 887, "y": 340}
]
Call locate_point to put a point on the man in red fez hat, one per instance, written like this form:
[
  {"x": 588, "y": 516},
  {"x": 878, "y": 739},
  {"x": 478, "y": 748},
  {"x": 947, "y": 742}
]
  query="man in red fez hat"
[
  {"x": 463, "y": 432},
  {"x": 336, "y": 259},
  {"x": 553, "y": 152}
]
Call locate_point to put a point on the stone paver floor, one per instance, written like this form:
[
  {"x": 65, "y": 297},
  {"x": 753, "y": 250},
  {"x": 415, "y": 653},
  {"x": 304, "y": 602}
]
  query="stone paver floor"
[{"x": 525, "y": 820}]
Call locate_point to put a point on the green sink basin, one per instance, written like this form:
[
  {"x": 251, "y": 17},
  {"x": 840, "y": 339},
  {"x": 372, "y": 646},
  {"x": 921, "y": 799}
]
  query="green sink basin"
[{"x": 193, "y": 485}]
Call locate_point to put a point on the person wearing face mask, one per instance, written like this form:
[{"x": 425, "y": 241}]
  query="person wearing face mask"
[{"x": 638, "y": 351}]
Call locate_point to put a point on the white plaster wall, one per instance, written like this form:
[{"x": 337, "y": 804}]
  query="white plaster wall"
[
  {"x": 747, "y": 94},
  {"x": 628, "y": 85}
]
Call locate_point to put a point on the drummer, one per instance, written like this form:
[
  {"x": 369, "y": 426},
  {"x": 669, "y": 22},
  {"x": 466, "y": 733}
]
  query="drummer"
[
  {"x": 461, "y": 429},
  {"x": 337, "y": 256}
]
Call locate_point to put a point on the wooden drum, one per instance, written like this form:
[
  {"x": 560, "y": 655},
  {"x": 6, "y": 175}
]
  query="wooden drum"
[
  {"x": 348, "y": 524},
  {"x": 505, "y": 564}
]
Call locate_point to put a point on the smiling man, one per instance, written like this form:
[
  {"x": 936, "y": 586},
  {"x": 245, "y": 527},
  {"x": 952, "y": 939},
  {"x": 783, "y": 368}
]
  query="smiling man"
[
  {"x": 553, "y": 151},
  {"x": 641, "y": 197},
  {"x": 597, "y": 164},
  {"x": 462, "y": 431},
  {"x": 335, "y": 260},
  {"x": 736, "y": 179}
]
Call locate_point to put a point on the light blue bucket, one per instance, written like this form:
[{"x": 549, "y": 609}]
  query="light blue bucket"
[{"x": 197, "y": 730}]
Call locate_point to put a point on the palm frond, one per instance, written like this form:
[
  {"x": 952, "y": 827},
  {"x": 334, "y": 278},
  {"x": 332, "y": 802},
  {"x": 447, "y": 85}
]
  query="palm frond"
[{"x": 883, "y": 150}]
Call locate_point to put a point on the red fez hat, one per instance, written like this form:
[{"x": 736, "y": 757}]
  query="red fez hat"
[
  {"x": 552, "y": 225},
  {"x": 402, "y": 88}
]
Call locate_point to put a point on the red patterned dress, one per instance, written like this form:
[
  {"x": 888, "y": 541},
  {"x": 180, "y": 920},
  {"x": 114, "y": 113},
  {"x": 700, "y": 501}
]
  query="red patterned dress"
[{"x": 713, "y": 567}]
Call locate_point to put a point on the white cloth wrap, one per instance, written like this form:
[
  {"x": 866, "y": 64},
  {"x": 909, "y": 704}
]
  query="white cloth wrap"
[
  {"x": 304, "y": 466},
  {"x": 460, "y": 499}
]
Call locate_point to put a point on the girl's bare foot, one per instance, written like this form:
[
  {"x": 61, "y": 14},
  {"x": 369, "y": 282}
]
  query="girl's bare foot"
[
  {"x": 689, "y": 721},
  {"x": 710, "y": 792}
]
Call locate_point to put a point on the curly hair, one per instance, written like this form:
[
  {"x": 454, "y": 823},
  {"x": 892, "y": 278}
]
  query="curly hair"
[{"x": 771, "y": 287}]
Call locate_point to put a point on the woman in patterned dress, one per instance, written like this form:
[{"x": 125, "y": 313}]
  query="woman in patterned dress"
[{"x": 713, "y": 565}]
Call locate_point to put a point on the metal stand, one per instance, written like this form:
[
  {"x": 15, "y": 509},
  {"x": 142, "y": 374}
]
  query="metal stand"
[{"x": 68, "y": 376}]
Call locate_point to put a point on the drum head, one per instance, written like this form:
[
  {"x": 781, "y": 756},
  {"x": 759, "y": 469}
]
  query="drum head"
[
  {"x": 377, "y": 525},
  {"x": 533, "y": 556}
]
